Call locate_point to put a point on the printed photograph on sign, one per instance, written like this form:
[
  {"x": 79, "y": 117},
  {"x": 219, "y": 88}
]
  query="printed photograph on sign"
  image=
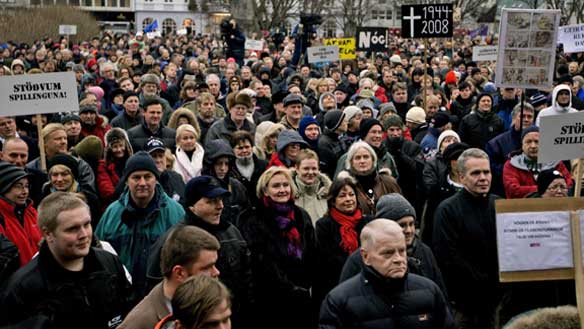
[
  {"x": 541, "y": 39},
  {"x": 543, "y": 22},
  {"x": 517, "y": 39},
  {"x": 518, "y": 21},
  {"x": 538, "y": 59}
]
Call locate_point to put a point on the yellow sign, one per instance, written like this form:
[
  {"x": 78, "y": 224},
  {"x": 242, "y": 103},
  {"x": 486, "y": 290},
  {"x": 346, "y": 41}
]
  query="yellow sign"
[{"x": 346, "y": 47}]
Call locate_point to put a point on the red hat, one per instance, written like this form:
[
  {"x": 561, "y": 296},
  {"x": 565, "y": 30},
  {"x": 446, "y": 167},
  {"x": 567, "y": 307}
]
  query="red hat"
[
  {"x": 450, "y": 78},
  {"x": 91, "y": 63},
  {"x": 231, "y": 60}
]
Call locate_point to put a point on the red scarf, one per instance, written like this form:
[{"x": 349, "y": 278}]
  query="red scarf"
[{"x": 349, "y": 242}]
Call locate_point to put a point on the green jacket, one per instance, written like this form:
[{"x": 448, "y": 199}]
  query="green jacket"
[{"x": 133, "y": 231}]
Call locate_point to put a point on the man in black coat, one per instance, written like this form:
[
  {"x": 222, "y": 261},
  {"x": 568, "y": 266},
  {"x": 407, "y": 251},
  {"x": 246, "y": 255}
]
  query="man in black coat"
[
  {"x": 151, "y": 127},
  {"x": 384, "y": 294},
  {"x": 69, "y": 283},
  {"x": 465, "y": 244},
  {"x": 203, "y": 204}
]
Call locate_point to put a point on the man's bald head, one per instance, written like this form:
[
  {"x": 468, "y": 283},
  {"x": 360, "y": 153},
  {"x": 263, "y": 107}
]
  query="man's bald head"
[
  {"x": 378, "y": 227},
  {"x": 15, "y": 151}
]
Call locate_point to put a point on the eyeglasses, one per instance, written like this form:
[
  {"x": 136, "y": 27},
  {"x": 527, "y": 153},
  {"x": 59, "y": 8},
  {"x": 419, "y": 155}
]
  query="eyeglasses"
[{"x": 21, "y": 186}]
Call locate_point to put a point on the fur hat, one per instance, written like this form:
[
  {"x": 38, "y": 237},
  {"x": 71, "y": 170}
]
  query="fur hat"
[
  {"x": 149, "y": 78},
  {"x": 239, "y": 99}
]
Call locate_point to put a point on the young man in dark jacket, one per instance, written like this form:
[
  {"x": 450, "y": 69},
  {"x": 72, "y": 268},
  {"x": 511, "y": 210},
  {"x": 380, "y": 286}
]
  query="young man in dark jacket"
[
  {"x": 69, "y": 283},
  {"x": 384, "y": 294}
]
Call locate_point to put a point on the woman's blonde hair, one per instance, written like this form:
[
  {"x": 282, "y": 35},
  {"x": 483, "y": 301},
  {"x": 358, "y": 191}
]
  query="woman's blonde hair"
[{"x": 267, "y": 176}]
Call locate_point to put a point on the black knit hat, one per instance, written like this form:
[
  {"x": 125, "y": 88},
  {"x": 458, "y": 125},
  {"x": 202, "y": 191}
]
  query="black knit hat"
[
  {"x": 545, "y": 178},
  {"x": 528, "y": 130},
  {"x": 9, "y": 174},
  {"x": 333, "y": 119},
  {"x": 65, "y": 160},
  {"x": 70, "y": 117},
  {"x": 129, "y": 94},
  {"x": 140, "y": 161},
  {"x": 453, "y": 151},
  {"x": 394, "y": 206},
  {"x": 366, "y": 125}
]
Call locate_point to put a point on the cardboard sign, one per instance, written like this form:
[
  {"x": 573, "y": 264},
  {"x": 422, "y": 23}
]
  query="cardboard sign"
[
  {"x": 527, "y": 48},
  {"x": 38, "y": 93},
  {"x": 181, "y": 32},
  {"x": 427, "y": 21},
  {"x": 67, "y": 29},
  {"x": 561, "y": 137},
  {"x": 254, "y": 44},
  {"x": 534, "y": 241},
  {"x": 346, "y": 47},
  {"x": 371, "y": 39},
  {"x": 572, "y": 37},
  {"x": 484, "y": 53},
  {"x": 323, "y": 54}
]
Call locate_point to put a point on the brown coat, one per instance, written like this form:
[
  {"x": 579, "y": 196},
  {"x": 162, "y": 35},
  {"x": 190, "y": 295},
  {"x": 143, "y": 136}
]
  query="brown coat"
[{"x": 148, "y": 312}]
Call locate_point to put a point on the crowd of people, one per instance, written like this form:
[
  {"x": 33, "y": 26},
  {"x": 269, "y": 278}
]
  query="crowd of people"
[{"x": 189, "y": 191}]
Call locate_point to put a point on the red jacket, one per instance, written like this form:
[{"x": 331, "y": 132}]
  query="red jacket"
[
  {"x": 26, "y": 237},
  {"x": 107, "y": 180},
  {"x": 519, "y": 182},
  {"x": 99, "y": 130}
]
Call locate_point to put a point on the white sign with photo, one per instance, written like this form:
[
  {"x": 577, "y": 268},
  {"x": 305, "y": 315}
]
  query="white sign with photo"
[
  {"x": 254, "y": 44},
  {"x": 527, "y": 48},
  {"x": 323, "y": 54}
]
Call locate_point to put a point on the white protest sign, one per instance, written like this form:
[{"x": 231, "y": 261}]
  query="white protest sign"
[
  {"x": 561, "y": 137},
  {"x": 181, "y": 32},
  {"x": 572, "y": 37},
  {"x": 67, "y": 29},
  {"x": 323, "y": 54},
  {"x": 484, "y": 53},
  {"x": 254, "y": 44},
  {"x": 527, "y": 48},
  {"x": 152, "y": 35},
  {"x": 534, "y": 241},
  {"x": 38, "y": 93}
]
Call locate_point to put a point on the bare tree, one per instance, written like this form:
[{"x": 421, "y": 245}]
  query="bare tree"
[{"x": 352, "y": 14}]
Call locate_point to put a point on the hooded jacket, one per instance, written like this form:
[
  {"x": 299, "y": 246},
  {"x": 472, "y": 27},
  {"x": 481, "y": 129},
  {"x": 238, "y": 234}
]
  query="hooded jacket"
[
  {"x": 556, "y": 109},
  {"x": 312, "y": 198},
  {"x": 519, "y": 179}
]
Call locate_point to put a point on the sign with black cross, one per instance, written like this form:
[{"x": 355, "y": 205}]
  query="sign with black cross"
[{"x": 427, "y": 21}]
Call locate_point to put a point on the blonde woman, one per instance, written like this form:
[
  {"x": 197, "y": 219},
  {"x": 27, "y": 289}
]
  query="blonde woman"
[{"x": 189, "y": 153}]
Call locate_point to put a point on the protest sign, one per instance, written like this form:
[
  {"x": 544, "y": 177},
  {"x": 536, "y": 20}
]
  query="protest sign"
[
  {"x": 38, "y": 93},
  {"x": 67, "y": 29},
  {"x": 254, "y": 44},
  {"x": 427, "y": 21},
  {"x": 372, "y": 39},
  {"x": 181, "y": 31},
  {"x": 572, "y": 37},
  {"x": 346, "y": 47},
  {"x": 534, "y": 241},
  {"x": 527, "y": 49},
  {"x": 152, "y": 35},
  {"x": 484, "y": 53},
  {"x": 323, "y": 54},
  {"x": 561, "y": 137}
]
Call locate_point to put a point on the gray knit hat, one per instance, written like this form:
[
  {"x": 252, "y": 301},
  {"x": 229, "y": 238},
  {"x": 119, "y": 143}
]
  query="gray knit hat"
[{"x": 394, "y": 206}]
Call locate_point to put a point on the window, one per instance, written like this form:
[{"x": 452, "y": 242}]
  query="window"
[
  {"x": 398, "y": 13},
  {"x": 168, "y": 26},
  {"x": 330, "y": 29},
  {"x": 382, "y": 14},
  {"x": 147, "y": 21}
]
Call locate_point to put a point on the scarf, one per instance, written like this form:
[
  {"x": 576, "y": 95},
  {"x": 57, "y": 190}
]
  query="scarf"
[
  {"x": 349, "y": 242},
  {"x": 245, "y": 166},
  {"x": 284, "y": 216},
  {"x": 189, "y": 167}
]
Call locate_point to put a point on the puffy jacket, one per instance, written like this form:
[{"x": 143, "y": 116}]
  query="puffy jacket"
[
  {"x": 369, "y": 301},
  {"x": 476, "y": 129},
  {"x": 19, "y": 225},
  {"x": 519, "y": 180},
  {"x": 97, "y": 297},
  {"x": 133, "y": 231},
  {"x": 139, "y": 135}
]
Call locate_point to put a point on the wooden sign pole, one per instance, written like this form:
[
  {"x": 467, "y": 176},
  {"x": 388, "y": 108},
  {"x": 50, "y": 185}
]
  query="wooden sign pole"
[
  {"x": 578, "y": 270},
  {"x": 578, "y": 179},
  {"x": 39, "y": 123},
  {"x": 425, "y": 75}
]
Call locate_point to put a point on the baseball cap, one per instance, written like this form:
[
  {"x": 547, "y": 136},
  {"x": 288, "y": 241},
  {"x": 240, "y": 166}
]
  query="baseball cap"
[
  {"x": 154, "y": 144},
  {"x": 203, "y": 187}
]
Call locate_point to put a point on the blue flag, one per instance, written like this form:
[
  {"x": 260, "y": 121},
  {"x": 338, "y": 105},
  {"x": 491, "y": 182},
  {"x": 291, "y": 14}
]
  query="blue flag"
[
  {"x": 151, "y": 27},
  {"x": 482, "y": 31}
]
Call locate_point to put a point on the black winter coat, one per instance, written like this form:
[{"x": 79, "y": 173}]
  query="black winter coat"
[
  {"x": 369, "y": 301},
  {"x": 421, "y": 261},
  {"x": 330, "y": 149},
  {"x": 281, "y": 282},
  {"x": 99, "y": 294},
  {"x": 404, "y": 154},
  {"x": 465, "y": 246},
  {"x": 330, "y": 256},
  {"x": 140, "y": 134},
  {"x": 233, "y": 263},
  {"x": 477, "y": 129}
]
